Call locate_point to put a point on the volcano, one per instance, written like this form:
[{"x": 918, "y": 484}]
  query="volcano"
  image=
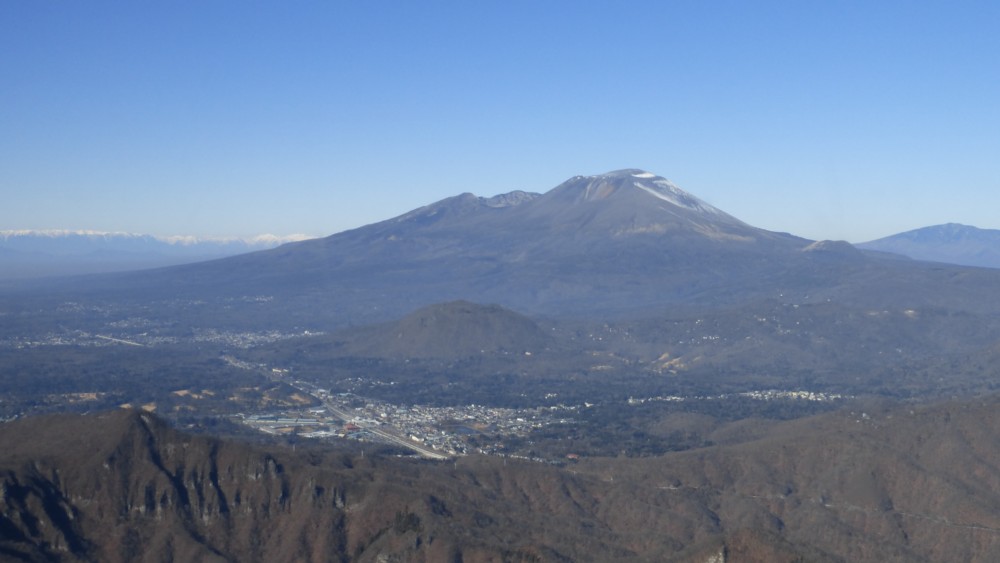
[{"x": 621, "y": 243}]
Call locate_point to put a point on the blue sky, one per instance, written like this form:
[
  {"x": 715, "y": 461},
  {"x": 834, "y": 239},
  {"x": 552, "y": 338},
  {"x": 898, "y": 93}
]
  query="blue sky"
[{"x": 841, "y": 120}]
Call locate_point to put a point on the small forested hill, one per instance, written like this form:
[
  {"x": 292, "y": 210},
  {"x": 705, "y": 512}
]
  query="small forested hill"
[{"x": 454, "y": 330}]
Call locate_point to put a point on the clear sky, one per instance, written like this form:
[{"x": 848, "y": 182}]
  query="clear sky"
[{"x": 841, "y": 120}]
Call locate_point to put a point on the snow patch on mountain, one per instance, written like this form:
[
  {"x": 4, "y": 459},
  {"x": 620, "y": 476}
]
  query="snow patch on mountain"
[{"x": 668, "y": 192}]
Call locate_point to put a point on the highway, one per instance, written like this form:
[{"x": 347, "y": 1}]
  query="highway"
[{"x": 118, "y": 340}]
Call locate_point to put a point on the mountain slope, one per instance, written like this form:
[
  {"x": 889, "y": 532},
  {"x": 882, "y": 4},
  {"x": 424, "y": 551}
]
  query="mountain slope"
[{"x": 951, "y": 243}]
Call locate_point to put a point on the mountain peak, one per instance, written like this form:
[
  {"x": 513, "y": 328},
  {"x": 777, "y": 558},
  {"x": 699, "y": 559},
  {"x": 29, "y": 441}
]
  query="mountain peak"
[
  {"x": 516, "y": 197},
  {"x": 462, "y": 205},
  {"x": 628, "y": 172},
  {"x": 642, "y": 189}
]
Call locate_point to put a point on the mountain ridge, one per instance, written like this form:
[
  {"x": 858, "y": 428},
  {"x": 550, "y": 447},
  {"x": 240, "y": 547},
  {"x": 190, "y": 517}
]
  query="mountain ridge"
[
  {"x": 950, "y": 243},
  {"x": 868, "y": 483},
  {"x": 10, "y": 238},
  {"x": 57, "y": 252}
]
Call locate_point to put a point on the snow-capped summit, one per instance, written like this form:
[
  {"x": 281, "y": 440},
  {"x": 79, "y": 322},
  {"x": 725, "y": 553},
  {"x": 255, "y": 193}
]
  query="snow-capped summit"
[
  {"x": 602, "y": 186},
  {"x": 633, "y": 201}
]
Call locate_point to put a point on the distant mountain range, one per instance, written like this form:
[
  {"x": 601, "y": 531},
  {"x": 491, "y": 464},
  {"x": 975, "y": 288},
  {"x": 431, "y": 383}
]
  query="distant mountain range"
[
  {"x": 35, "y": 253},
  {"x": 951, "y": 243}
]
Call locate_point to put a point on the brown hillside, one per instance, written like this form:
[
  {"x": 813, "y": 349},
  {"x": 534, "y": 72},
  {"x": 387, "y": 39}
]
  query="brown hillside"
[{"x": 900, "y": 484}]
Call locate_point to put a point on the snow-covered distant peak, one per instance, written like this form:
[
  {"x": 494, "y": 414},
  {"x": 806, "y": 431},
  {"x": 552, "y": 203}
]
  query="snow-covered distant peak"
[
  {"x": 36, "y": 253},
  {"x": 263, "y": 240},
  {"x": 644, "y": 175},
  {"x": 278, "y": 239},
  {"x": 61, "y": 233}
]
